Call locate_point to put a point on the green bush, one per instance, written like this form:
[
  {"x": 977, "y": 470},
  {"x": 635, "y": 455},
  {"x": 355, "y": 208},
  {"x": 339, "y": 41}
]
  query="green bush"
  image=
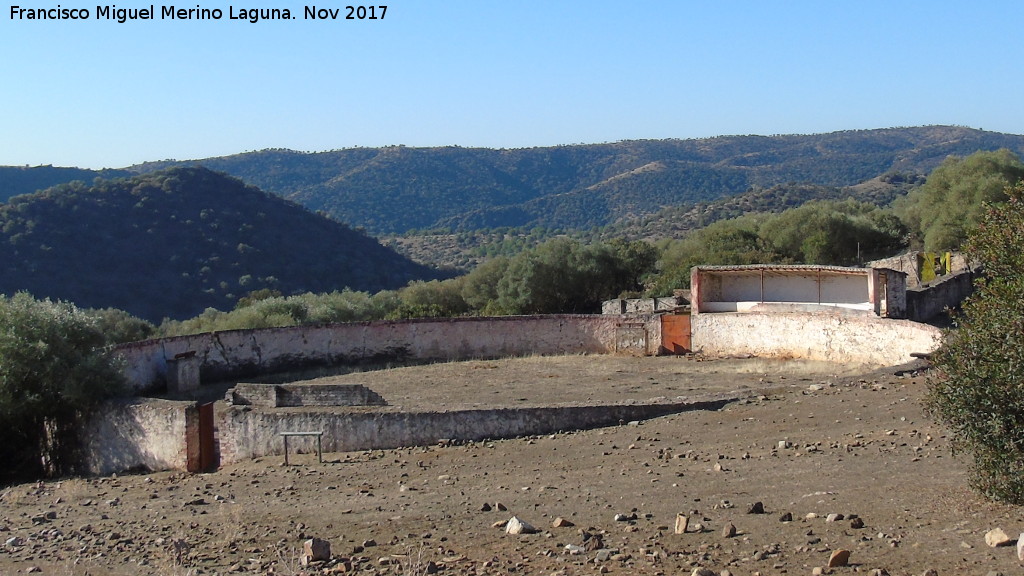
[
  {"x": 119, "y": 326},
  {"x": 274, "y": 311},
  {"x": 942, "y": 213},
  {"x": 53, "y": 369},
  {"x": 566, "y": 276},
  {"x": 978, "y": 391}
]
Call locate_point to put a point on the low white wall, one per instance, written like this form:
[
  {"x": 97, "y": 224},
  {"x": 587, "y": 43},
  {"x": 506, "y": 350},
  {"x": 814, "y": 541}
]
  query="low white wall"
[
  {"x": 829, "y": 337},
  {"x": 245, "y": 353},
  {"x": 140, "y": 434},
  {"x": 246, "y": 434}
]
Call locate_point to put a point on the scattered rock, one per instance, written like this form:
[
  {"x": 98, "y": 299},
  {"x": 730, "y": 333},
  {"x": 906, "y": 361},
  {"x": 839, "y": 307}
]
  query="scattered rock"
[
  {"x": 315, "y": 550},
  {"x": 839, "y": 558},
  {"x": 703, "y": 572},
  {"x": 517, "y": 526},
  {"x": 1020, "y": 547},
  {"x": 574, "y": 550},
  {"x": 879, "y": 572},
  {"x": 728, "y": 531},
  {"x": 833, "y": 517},
  {"x": 486, "y": 507},
  {"x": 561, "y": 523},
  {"x": 756, "y": 508},
  {"x": 369, "y": 543},
  {"x": 592, "y": 542},
  {"x": 682, "y": 521},
  {"x": 786, "y": 517},
  {"x": 996, "y": 537},
  {"x": 930, "y": 572},
  {"x": 856, "y": 523}
]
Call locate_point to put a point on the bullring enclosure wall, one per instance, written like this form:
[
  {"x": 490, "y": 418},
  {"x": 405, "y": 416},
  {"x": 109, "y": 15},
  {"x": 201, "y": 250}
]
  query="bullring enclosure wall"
[
  {"x": 162, "y": 434},
  {"x": 238, "y": 354},
  {"x": 830, "y": 337}
]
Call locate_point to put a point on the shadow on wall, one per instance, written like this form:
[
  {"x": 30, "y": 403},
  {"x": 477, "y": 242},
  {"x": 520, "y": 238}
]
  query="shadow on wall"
[
  {"x": 247, "y": 434},
  {"x": 141, "y": 434},
  {"x": 239, "y": 354}
]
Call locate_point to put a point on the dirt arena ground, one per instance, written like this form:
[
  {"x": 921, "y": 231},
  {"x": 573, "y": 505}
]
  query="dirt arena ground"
[{"x": 807, "y": 441}]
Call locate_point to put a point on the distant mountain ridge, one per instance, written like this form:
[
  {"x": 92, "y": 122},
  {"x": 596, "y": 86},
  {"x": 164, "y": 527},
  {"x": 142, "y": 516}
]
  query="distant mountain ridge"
[
  {"x": 174, "y": 242},
  {"x": 394, "y": 190}
]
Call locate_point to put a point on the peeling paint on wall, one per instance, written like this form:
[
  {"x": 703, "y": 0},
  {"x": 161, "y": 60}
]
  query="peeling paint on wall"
[{"x": 244, "y": 354}]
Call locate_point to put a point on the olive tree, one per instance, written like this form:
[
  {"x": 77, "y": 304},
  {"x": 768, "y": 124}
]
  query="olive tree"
[
  {"x": 944, "y": 211},
  {"x": 53, "y": 369},
  {"x": 978, "y": 389}
]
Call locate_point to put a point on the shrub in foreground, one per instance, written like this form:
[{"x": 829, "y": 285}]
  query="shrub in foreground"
[
  {"x": 53, "y": 369},
  {"x": 978, "y": 391}
]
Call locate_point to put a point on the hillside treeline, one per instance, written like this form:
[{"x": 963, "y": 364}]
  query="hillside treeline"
[
  {"x": 564, "y": 275},
  {"x": 170, "y": 244},
  {"x": 572, "y": 275},
  {"x": 397, "y": 189},
  {"x": 559, "y": 276}
]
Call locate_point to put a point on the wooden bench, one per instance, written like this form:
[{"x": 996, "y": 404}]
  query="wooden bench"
[{"x": 319, "y": 447}]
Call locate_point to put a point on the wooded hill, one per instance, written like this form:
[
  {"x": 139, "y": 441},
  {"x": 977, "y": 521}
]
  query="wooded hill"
[
  {"x": 477, "y": 203},
  {"x": 466, "y": 249},
  {"x": 15, "y": 180},
  {"x": 394, "y": 190},
  {"x": 675, "y": 221},
  {"x": 174, "y": 242}
]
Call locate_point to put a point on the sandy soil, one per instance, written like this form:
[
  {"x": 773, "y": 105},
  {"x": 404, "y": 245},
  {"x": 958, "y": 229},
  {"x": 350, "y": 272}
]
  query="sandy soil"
[{"x": 807, "y": 440}]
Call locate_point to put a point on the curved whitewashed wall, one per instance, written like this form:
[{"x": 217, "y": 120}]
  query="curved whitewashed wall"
[
  {"x": 247, "y": 353},
  {"x": 157, "y": 434},
  {"x": 830, "y": 337}
]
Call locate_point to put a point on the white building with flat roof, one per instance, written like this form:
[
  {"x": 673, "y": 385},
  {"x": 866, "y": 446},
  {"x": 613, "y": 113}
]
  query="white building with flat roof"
[{"x": 798, "y": 288}]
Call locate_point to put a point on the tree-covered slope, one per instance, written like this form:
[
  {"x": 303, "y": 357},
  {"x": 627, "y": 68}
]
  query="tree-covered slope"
[
  {"x": 676, "y": 221},
  {"x": 174, "y": 242},
  {"x": 396, "y": 189},
  {"x": 18, "y": 180}
]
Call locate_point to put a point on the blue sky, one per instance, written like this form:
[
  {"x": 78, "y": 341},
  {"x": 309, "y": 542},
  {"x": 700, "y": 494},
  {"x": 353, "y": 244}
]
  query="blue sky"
[{"x": 498, "y": 74}]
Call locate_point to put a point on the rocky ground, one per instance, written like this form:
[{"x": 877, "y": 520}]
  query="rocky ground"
[{"x": 810, "y": 462}]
